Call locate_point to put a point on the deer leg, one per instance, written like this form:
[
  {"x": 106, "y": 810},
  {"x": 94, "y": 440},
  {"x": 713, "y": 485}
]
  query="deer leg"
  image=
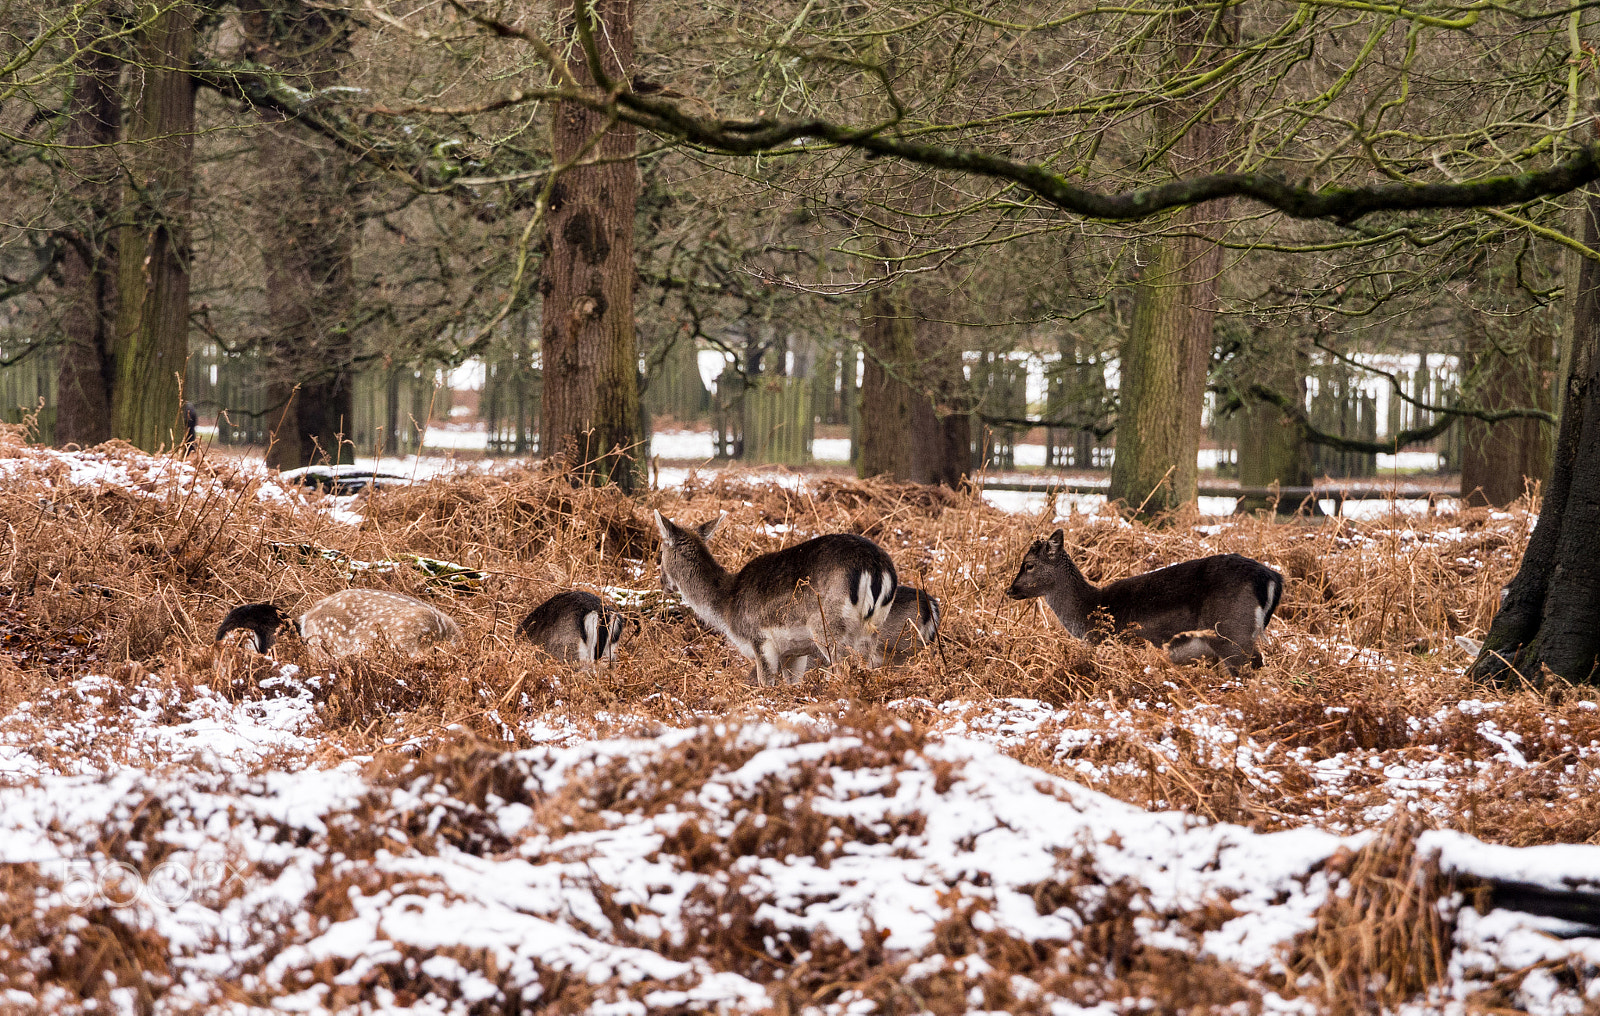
[
  {"x": 795, "y": 668},
  {"x": 767, "y": 662},
  {"x": 1188, "y": 646}
]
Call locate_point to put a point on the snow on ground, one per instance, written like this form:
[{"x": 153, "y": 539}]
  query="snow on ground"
[
  {"x": 687, "y": 446},
  {"x": 706, "y": 869},
  {"x": 1360, "y": 788},
  {"x": 907, "y": 836},
  {"x": 691, "y": 445},
  {"x": 693, "y": 868}
]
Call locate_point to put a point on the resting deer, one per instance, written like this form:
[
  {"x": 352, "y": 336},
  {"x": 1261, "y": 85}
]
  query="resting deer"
[
  {"x": 574, "y": 627},
  {"x": 1213, "y": 607},
  {"x": 348, "y": 622},
  {"x": 784, "y": 607}
]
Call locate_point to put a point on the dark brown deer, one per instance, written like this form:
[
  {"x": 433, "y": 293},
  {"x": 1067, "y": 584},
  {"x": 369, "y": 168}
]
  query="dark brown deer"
[
  {"x": 574, "y": 626},
  {"x": 1213, "y": 607},
  {"x": 913, "y": 622}
]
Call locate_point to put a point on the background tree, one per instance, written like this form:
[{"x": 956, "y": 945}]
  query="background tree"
[
  {"x": 587, "y": 342},
  {"x": 308, "y": 225},
  {"x": 1167, "y": 352},
  {"x": 151, "y": 347},
  {"x": 88, "y": 262}
]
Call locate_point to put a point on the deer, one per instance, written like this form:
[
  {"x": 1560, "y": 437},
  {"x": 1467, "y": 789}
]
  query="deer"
[
  {"x": 348, "y": 622},
  {"x": 1213, "y": 607},
  {"x": 574, "y": 626},
  {"x": 784, "y": 607},
  {"x": 913, "y": 622}
]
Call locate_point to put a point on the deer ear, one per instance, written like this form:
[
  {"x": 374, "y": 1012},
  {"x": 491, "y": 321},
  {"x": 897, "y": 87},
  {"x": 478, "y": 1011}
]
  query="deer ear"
[
  {"x": 707, "y": 528},
  {"x": 1058, "y": 540},
  {"x": 665, "y": 526}
]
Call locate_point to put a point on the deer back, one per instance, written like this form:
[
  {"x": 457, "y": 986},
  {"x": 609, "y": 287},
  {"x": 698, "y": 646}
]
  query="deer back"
[
  {"x": 355, "y": 619},
  {"x": 573, "y": 626},
  {"x": 843, "y": 575},
  {"x": 1228, "y": 593}
]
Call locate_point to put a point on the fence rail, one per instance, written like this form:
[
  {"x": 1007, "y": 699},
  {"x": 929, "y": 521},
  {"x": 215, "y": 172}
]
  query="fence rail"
[{"x": 1338, "y": 495}]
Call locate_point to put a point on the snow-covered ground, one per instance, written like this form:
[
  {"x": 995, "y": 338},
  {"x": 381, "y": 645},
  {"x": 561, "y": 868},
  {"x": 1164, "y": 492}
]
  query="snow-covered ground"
[
  {"x": 679, "y": 446},
  {"x": 697, "y": 445},
  {"x": 1089, "y": 504},
  {"x": 736, "y": 852},
  {"x": 200, "y": 852}
]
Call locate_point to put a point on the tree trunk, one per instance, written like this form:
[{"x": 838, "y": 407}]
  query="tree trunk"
[
  {"x": 1167, "y": 354},
  {"x": 941, "y": 426},
  {"x": 588, "y": 347},
  {"x": 1272, "y": 447},
  {"x": 1164, "y": 364},
  {"x": 1498, "y": 460},
  {"x": 889, "y": 336},
  {"x": 84, "y": 381},
  {"x": 914, "y": 424},
  {"x": 152, "y": 336},
  {"x": 308, "y": 227},
  {"x": 1550, "y": 616}
]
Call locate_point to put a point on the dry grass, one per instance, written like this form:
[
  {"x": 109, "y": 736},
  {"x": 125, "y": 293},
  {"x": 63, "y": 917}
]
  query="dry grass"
[
  {"x": 1385, "y": 939},
  {"x": 129, "y": 581}
]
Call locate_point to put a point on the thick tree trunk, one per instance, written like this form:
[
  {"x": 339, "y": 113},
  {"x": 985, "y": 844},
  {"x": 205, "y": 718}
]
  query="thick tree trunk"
[
  {"x": 914, "y": 423},
  {"x": 88, "y": 269},
  {"x": 1163, "y": 372},
  {"x": 1272, "y": 447},
  {"x": 1498, "y": 460},
  {"x": 941, "y": 425},
  {"x": 1550, "y": 616},
  {"x": 889, "y": 336},
  {"x": 152, "y": 336},
  {"x": 588, "y": 348},
  {"x": 307, "y": 225},
  {"x": 1167, "y": 354}
]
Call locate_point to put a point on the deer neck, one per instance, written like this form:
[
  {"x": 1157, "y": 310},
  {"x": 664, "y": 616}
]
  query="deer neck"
[
  {"x": 705, "y": 585},
  {"x": 1073, "y": 599}
]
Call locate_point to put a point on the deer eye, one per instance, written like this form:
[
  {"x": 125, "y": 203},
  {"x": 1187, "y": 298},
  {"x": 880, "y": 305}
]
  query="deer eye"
[{"x": 1028, "y": 566}]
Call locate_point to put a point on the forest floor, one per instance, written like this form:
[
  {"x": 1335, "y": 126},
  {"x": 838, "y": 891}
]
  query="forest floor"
[{"x": 1015, "y": 821}]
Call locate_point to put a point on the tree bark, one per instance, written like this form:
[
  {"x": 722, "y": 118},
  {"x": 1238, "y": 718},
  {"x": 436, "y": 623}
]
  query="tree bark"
[
  {"x": 889, "y": 336},
  {"x": 1164, "y": 364},
  {"x": 88, "y": 269},
  {"x": 152, "y": 332},
  {"x": 308, "y": 227},
  {"x": 1272, "y": 445},
  {"x": 941, "y": 423},
  {"x": 1167, "y": 354},
  {"x": 914, "y": 420},
  {"x": 588, "y": 347},
  {"x": 1550, "y": 616},
  {"x": 1498, "y": 460}
]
